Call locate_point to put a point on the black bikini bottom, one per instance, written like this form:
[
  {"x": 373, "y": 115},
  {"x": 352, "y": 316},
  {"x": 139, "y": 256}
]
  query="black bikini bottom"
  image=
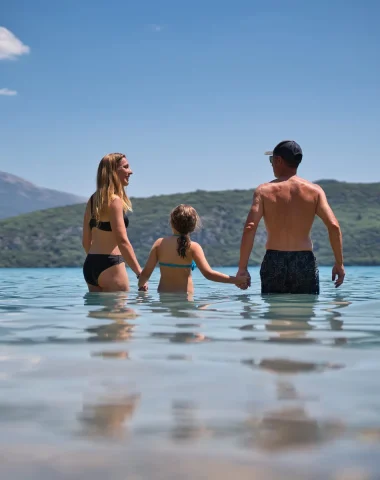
[{"x": 96, "y": 263}]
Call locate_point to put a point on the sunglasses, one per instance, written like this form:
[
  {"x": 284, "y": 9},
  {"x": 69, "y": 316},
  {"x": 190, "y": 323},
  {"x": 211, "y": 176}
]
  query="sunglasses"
[{"x": 272, "y": 157}]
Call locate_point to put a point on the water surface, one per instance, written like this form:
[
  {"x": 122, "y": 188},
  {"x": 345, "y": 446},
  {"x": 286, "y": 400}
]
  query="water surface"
[{"x": 222, "y": 385}]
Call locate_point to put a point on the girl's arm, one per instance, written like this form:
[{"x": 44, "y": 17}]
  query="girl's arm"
[
  {"x": 86, "y": 235},
  {"x": 118, "y": 229},
  {"x": 208, "y": 272},
  {"x": 150, "y": 263}
]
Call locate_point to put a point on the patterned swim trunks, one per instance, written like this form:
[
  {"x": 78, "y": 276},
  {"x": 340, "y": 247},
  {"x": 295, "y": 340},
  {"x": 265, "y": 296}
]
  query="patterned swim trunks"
[{"x": 289, "y": 272}]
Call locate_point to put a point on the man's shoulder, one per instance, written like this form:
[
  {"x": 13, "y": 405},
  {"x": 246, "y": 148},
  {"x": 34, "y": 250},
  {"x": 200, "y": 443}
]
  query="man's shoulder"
[
  {"x": 263, "y": 187},
  {"x": 307, "y": 184},
  {"x": 267, "y": 187},
  {"x": 276, "y": 186}
]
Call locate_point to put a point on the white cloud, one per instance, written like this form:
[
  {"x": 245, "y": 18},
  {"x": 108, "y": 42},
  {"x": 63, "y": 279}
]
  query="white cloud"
[
  {"x": 7, "y": 92},
  {"x": 157, "y": 28},
  {"x": 10, "y": 45}
]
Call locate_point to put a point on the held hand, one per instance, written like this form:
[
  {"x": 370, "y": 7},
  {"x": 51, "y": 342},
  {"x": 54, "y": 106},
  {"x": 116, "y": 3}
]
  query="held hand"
[
  {"x": 242, "y": 281},
  {"x": 338, "y": 275},
  {"x": 245, "y": 279},
  {"x": 144, "y": 288}
]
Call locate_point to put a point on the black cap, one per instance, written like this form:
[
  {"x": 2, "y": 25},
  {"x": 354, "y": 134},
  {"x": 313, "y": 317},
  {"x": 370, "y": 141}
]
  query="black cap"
[{"x": 289, "y": 150}]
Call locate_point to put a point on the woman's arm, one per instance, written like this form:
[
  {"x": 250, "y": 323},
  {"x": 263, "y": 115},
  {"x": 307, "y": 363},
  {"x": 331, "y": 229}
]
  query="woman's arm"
[
  {"x": 86, "y": 235},
  {"x": 150, "y": 264},
  {"x": 118, "y": 229},
  {"x": 208, "y": 272}
]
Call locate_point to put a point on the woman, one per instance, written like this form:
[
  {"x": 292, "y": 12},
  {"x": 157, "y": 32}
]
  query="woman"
[{"x": 105, "y": 223}]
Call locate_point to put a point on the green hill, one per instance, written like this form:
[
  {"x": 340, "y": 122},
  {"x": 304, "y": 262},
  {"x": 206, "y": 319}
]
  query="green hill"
[{"x": 52, "y": 238}]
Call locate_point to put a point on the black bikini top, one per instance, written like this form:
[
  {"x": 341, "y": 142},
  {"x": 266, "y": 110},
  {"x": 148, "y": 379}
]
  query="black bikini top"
[{"x": 105, "y": 226}]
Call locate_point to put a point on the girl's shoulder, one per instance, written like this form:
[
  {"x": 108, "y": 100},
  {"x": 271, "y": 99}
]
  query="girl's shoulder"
[
  {"x": 195, "y": 249},
  {"x": 158, "y": 242},
  {"x": 194, "y": 245}
]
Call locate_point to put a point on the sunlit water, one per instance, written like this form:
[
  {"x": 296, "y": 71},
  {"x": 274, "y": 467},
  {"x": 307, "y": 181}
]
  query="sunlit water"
[{"x": 226, "y": 385}]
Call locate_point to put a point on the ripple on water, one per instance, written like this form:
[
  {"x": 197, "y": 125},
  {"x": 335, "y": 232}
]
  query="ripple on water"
[{"x": 285, "y": 380}]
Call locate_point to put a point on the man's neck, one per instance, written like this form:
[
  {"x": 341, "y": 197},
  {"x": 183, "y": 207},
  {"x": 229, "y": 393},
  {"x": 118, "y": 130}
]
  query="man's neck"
[
  {"x": 283, "y": 178},
  {"x": 287, "y": 174}
]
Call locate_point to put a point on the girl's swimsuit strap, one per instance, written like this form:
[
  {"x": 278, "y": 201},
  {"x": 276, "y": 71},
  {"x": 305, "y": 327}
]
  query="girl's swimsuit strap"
[{"x": 176, "y": 265}]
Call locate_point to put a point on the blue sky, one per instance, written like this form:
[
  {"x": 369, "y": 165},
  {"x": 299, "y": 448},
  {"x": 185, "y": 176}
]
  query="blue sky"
[{"x": 192, "y": 92}]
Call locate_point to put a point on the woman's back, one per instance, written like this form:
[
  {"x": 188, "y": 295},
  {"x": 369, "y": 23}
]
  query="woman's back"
[{"x": 104, "y": 240}]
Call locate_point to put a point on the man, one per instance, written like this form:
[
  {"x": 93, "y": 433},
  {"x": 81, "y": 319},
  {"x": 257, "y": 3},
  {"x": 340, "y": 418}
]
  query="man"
[{"x": 289, "y": 205}]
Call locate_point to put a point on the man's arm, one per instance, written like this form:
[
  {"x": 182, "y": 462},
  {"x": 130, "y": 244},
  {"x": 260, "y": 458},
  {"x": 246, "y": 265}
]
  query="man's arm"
[
  {"x": 250, "y": 228},
  {"x": 326, "y": 214}
]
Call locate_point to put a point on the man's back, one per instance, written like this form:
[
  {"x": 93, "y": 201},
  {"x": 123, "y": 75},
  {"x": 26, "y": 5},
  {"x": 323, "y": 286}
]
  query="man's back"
[
  {"x": 289, "y": 208},
  {"x": 289, "y": 205}
]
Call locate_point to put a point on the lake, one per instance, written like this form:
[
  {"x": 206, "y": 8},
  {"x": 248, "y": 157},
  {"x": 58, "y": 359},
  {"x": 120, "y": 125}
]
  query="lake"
[{"x": 227, "y": 384}]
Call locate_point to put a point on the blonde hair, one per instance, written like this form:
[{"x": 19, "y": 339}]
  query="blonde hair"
[{"x": 108, "y": 185}]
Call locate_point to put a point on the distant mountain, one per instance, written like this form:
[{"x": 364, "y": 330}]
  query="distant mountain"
[
  {"x": 52, "y": 238},
  {"x": 19, "y": 196}
]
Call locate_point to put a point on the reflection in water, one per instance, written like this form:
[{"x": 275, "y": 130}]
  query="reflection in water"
[
  {"x": 287, "y": 391},
  {"x": 107, "y": 418},
  {"x": 369, "y": 435},
  {"x": 180, "y": 357},
  {"x": 188, "y": 325},
  {"x": 249, "y": 326},
  {"x": 177, "y": 305},
  {"x": 283, "y": 365},
  {"x": 336, "y": 322},
  {"x": 182, "y": 337},
  {"x": 116, "y": 313},
  {"x": 249, "y": 309},
  {"x": 288, "y": 428},
  {"x": 292, "y": 319},
  {"x": 114, "y": 308},
  {"x": 113, "y": 332},
  {"x": 105, "y": 299},
  {"x": 186, "y": 425},
  {"x": 289, "y": 316},
  {"x": 293, "y": 316},
  {"x": 281, "y": 429},
  {"x": 112, "y": 354}
]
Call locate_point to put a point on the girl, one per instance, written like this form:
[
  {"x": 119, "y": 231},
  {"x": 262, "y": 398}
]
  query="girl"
[{"x": 177, "y": 256}]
